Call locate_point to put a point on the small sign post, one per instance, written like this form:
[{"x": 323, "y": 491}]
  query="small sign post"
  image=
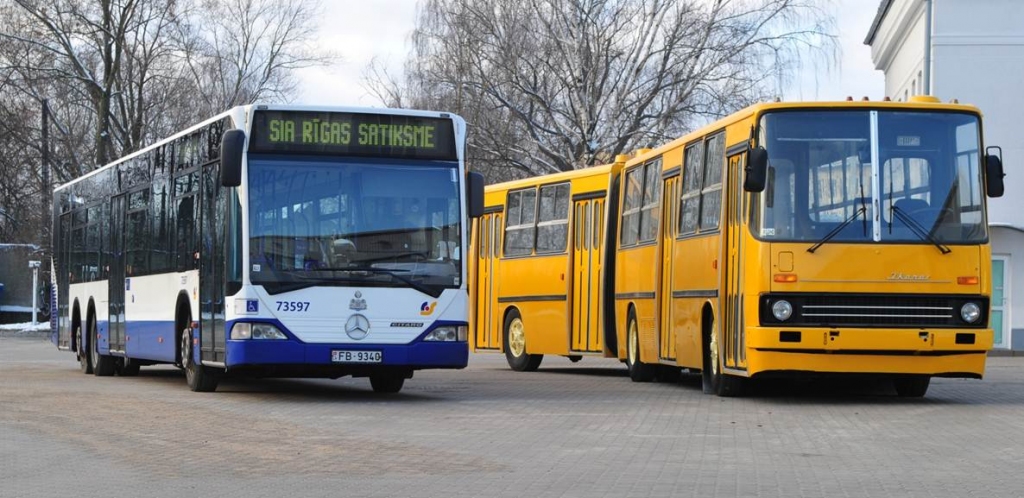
[{"x": 34, "y": 265}]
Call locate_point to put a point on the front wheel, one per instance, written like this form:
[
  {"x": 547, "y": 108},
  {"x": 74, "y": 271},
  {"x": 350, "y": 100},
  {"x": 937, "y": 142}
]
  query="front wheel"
[
  {"x": 199, "y": 378},
  {"x": 387, "y": 383},
  {"x": 716, "y": 382},
  {"x": 911, "y": 386},
  {"x": 102, "y": 365},
  {"x": 515, "y": 345}
]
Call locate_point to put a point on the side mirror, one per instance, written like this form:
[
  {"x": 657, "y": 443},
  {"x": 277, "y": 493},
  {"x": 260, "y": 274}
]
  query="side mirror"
[
  {"x": 232, "y": 144},
  {"x": 994, "y": 172},
  {"x": 475, "y": 194},
  {"x": 755, "y": 172}
]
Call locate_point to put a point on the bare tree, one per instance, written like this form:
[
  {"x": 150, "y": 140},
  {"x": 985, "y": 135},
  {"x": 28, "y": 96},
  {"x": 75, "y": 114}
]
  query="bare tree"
[
  {"x": 553, "y": 85},
  {"x": 242, "y": 51},
  {"x": 120, "y": 74}
]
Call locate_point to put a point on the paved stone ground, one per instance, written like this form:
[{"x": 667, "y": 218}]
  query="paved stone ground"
[{"x": 568, "y": 430}]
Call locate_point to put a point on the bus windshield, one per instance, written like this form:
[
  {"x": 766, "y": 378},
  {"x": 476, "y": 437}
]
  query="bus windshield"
[
  {"x": 821, "y": 178},
  {"x": 325, "y": 221}
]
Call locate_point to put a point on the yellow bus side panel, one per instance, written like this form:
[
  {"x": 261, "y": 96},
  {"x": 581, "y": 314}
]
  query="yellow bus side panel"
[
  {"x": 635, "y": 282},
  {"x": 537, "y": 287}
]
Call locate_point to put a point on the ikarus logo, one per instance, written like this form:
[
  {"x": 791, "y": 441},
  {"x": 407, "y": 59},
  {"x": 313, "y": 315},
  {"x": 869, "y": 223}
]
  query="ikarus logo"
[
  {"x": 907, "y": 277},
  {"x": 427, "y": 309}
]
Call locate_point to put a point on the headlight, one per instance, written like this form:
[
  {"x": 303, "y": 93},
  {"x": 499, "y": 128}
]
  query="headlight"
[
  {"x": 970, "y": 312},
  {"x": 448, "y": 334},
  {"x": 256, "y": 331},
  {"x": 782, "y": 310}
]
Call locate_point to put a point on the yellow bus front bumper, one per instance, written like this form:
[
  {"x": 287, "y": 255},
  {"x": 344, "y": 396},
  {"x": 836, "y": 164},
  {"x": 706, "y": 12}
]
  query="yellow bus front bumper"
[{"x": 944, "y": 352}]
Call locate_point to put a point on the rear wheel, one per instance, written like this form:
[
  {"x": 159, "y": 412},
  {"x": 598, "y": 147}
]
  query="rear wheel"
[
  {"x": 127, "y": 367},
  {"x": 669, "y": 374},
  {"x": 638, "y": 370},
  {"x": 199, "y": 378},
  {"x": 84, "y": 357},
  {"x": 102, "y": 365},
  {"x": 387, "y": 383},
  {"x": 911, "y": 386},
  {"x": 515, "y": 345}
]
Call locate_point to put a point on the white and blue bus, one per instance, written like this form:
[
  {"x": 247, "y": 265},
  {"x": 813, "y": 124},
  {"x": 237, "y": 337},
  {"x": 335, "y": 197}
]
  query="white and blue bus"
[{"x": 272, "y": 241}]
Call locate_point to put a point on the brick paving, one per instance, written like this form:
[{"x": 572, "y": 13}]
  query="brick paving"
[{"x": 568, "y": 430}]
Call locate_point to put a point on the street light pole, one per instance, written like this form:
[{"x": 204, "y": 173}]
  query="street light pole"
[{"x": 45, "y": 198}]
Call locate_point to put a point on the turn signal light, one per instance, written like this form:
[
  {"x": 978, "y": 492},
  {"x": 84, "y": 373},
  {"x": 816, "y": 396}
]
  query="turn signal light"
[
  {"x": 967, "y": 280},
  {"x": 784, "y": 278}
]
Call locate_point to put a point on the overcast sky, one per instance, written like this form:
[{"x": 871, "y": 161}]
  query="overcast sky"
[{"x": 362, "y": 29}]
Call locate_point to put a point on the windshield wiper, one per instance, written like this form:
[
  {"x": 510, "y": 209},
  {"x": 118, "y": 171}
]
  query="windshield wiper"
[
  {"x": 396, "y": 256},
  {"x": 835, "y": 231},
  {"x": 280, "y": 287},
  {"x": 395, "y": 274},
  {"x": 917, "y": 229}
]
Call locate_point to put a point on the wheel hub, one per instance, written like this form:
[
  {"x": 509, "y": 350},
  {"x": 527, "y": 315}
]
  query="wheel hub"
[{"x": 516, "y": 338}]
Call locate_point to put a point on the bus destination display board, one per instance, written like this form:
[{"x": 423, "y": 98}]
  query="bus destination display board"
[{"x": 353, "y": 134}]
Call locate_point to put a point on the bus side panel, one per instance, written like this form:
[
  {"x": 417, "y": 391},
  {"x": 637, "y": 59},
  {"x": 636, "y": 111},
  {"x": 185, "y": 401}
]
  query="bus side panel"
[
  {"x": 149, "y": 314},
  {"x": 694, "y": 282},
  {"x": 538, "y": 287},
  {"x": 634, "y": 286}
]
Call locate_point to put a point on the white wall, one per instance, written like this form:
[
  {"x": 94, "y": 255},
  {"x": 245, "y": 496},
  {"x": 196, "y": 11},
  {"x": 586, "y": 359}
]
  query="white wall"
[
  {"x": 978, "y": 59},
  {"x": 898, "y": 49},
  {"x": 978, "y": 53}
]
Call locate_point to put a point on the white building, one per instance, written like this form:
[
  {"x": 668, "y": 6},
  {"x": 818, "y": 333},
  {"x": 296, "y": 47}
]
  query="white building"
[{"x": 976, "y": 54}]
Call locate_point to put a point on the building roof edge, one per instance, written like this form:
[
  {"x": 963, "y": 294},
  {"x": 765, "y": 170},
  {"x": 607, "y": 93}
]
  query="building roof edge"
[{"x": 883, "y": 9}]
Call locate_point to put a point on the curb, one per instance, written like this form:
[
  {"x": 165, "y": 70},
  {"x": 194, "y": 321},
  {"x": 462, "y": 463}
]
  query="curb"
[{"x": 25, "y": 333}]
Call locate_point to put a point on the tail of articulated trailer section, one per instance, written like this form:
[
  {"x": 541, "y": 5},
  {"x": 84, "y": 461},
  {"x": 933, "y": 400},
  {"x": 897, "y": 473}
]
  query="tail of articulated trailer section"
[{"x": 54, "y": 313}]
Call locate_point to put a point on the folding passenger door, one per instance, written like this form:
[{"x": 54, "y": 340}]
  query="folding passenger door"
[
  {"x": 669, "y": 229},
  {"x": 735, "y": 339},
  {"x": 485, "y": 334},
  {"x": 116, "y": 275},
  {"x": 586, "y": 282}
]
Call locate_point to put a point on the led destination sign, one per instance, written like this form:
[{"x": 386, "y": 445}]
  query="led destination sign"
[{"x": 353, "y": 134}]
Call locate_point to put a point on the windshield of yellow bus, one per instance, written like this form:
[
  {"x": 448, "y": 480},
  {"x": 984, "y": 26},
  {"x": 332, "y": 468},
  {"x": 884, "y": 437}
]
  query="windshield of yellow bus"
[
  {"x": 927, "y": 187},
  {"x": 325, "y": 221}
]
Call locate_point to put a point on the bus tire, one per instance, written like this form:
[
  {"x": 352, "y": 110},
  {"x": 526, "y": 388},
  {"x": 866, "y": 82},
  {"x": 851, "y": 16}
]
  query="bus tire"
[
  {"x": 127, "y": 367},
  {"x": 102, "y": 365},
  {"x": 84, "y": 357},
  {"x": 387, "y": 383},
  {"x": 911, "y": 386},
  {"x": 638, "y": 370},
  {"x": 199, "y": 378},
  {"x": 669, "y": 374},
  {"x": 714, "y": 381},
  {"x": 515, "y": 345}
]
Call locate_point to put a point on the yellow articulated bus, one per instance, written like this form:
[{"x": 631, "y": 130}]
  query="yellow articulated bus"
[
  {"x": 538, "y": 274},
  {"x": 787, "y": 239}
]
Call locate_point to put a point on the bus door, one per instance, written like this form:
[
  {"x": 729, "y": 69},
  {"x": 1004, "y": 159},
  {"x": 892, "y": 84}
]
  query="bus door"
[
  {"x": 116, "y": 273},
  {"x": 485, "y": 331},
  {"x": 212, "y": 220},
  {"x": 588, "y": 217},
  {"x": 734, "y": 353},
  {"x": 670, "y": 226}
]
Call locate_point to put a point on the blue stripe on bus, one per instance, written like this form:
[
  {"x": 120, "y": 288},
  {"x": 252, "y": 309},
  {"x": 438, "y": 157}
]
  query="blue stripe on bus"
[
  {"x": 290, "y": 352},
  {"x": 144, "y": 340},
  {"x": 417, "y": 354}
]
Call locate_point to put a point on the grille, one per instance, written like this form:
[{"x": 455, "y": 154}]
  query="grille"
[{"x": 878, "y": 310}]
